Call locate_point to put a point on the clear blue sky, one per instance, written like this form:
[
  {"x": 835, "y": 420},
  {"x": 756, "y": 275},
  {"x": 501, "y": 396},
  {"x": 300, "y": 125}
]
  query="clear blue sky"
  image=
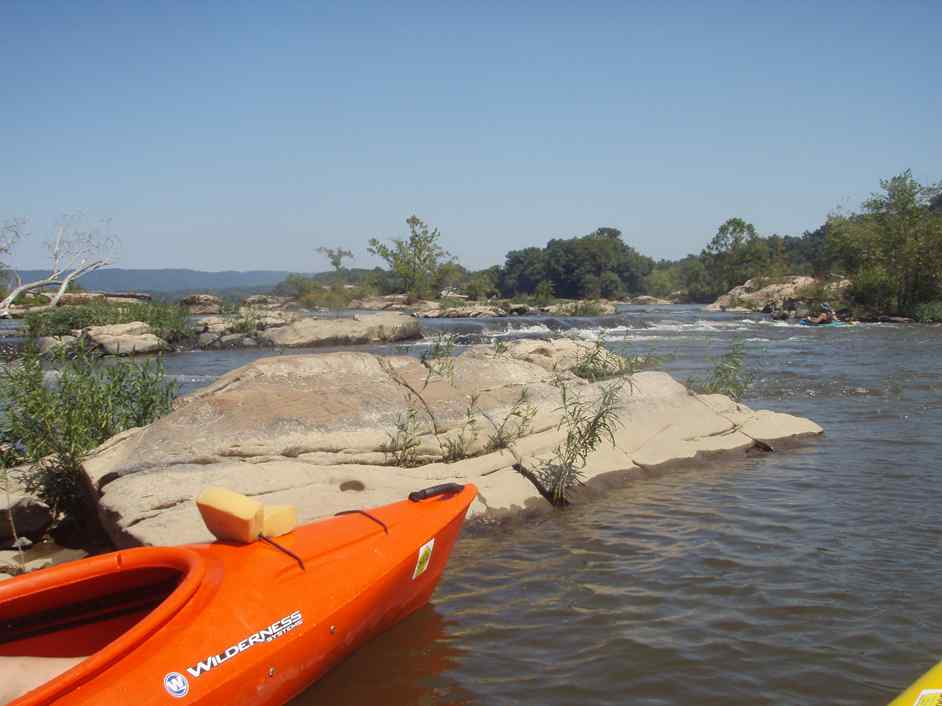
[{"x": 226, "y": 135}]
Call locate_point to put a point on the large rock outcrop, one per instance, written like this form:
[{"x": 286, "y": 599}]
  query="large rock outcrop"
[
  {"x": 645, "y": 300},
  {"x": 202, "y": 304},
  {"x": 373, "y": 328},
  {"x": 393, "y": 302},
  {"x": 756, "y": 294},
  {"x": 598, "y": 307},
  {"x": 785, "y": 293},
  {"x": 326, "y": 432},
  {"x": 78, "y": 298},
  {"x": 469, "y": 311},
  {"x": 132, "y": 338}
]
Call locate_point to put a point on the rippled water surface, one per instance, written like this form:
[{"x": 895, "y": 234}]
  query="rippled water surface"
[
  {"x": 808, "y": 576},
  {"x": 805, "y": 577}
]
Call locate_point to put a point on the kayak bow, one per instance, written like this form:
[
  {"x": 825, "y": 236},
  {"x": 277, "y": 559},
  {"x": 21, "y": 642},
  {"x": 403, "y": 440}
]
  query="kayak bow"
[{"x": 227, "y": 624}]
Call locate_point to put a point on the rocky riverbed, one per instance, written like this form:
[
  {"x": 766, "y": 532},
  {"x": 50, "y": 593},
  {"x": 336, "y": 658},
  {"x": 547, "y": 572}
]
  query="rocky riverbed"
[{"x": 250, "y": 329}]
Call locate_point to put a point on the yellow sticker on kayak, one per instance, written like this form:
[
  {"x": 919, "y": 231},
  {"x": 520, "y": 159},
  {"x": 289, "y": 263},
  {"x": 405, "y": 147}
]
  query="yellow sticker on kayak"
[
  {"x": 425, "y": 556},
  {"x": 929, "y": 697}
]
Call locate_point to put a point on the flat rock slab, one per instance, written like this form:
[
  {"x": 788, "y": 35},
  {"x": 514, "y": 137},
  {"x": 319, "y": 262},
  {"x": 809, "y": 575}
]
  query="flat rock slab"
[
  {"x": 372, "y": 328},
  {"x": 315, "y": 431},
  {"x": 132, "y": 338}
]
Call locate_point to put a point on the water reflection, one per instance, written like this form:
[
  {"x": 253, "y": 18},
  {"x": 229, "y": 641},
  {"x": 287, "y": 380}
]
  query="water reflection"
[{"x": 407, "y": 666}]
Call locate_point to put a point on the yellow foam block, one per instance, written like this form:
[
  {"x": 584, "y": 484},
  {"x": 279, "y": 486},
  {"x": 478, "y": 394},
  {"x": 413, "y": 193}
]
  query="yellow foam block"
[
  {"x": 229, "y": 515},
  {"x": 279, "y": 519}
]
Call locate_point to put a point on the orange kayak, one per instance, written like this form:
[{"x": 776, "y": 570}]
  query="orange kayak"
[{"x": 228, "y": 624}]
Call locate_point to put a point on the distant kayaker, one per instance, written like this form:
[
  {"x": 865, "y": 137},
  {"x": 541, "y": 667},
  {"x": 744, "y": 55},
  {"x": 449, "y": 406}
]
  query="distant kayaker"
[{"x": 825, "y": 317}]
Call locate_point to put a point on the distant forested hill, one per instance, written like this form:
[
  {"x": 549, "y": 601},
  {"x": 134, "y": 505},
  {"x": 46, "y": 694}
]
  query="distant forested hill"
[{"x": 116, "y": 279}]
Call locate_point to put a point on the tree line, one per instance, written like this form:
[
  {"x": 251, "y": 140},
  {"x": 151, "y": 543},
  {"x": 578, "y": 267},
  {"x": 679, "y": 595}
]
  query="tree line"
[{"x": 891, "y": 249}]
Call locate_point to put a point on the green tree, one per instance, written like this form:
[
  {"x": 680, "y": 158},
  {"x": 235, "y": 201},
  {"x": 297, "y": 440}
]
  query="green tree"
[
  {"x": 590, "y": 287},
  {"x": 481, "y": 285},
  {"x": 577, "y": 267},
  {"x": 610, "y": 285},
  {"x": 543, "y": 294},
  {"x": 449, "y": 276},
  {"x": 663, "y": 280},
  {"x": 895, "y": 241},
  {"x": 336, "y": 256},
  {"x": 693, "y": 274},
  {"x": 416, "y": 260},
  {"x": 523, "y": 271},
  {"x": 728, "y": 257}
]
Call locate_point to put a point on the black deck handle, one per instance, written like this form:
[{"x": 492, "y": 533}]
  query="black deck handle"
[{"x": 443, "y": 489}]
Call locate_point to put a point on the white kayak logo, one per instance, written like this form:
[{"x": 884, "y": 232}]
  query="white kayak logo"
[
  {"x": 277, "y": 629},
  {"x": 176, "y": 685}
]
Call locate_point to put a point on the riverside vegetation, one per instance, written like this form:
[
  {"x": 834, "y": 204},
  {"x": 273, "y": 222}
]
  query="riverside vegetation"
[
  {"x": 48, "y": 427},
  {"x": 586, "y": 423},
  {"x": 890, "y": 250},
  {"x": 170, "y": 322},
  {"x": 729, "y": 375},
  {"x": 52, "y": 418}
]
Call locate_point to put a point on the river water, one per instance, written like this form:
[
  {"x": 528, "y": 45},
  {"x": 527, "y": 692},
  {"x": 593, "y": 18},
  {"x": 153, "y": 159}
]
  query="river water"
[{"x": 808, "y": 576}]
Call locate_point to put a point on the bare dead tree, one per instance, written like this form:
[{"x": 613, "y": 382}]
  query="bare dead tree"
[
  {"x": 11, "y": 232},
  {"x": 75, "y": 251}
]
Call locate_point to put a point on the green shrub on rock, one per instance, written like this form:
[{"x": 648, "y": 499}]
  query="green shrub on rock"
[
  {"x": 729, "y": 375},
  {"x": 52, "y": 425},
  {"x": 170, "y": 322},
  {"x": 928, "y": 313}
]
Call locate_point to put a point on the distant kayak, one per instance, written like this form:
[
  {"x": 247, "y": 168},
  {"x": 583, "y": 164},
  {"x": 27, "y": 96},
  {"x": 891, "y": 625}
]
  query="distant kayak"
[{"x": 832, "y": 324}]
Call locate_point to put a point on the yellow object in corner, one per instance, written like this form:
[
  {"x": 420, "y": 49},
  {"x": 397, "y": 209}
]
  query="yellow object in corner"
[{"x": 926, "y": 691}]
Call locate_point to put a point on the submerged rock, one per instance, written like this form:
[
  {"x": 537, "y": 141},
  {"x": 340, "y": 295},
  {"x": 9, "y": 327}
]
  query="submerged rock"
[
  {"x": 327, "y": 432},
  {"x": 646, "y": 300},
  {"x": 267, "y": 301},
  {"x": 603, "y": 307},
  {"x": 473, "y": 311}
]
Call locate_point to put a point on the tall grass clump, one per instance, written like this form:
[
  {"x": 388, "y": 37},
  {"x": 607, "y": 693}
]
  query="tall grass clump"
[
  {"x": 728, "y": 376},
  {"x": 170, "y": 322},
  {"x": 514, "y": 426},
  {"x": 599, "y": 363},
  {"x": 587, "y": 424},
  {"x": 50, "y": 426},
  {"x": 402, "y": 449},
  {"x": 439, "y": 358}
]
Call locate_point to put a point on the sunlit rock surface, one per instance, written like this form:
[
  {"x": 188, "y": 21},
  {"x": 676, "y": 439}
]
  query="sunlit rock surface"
[{"x": 315, "y": 430}]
